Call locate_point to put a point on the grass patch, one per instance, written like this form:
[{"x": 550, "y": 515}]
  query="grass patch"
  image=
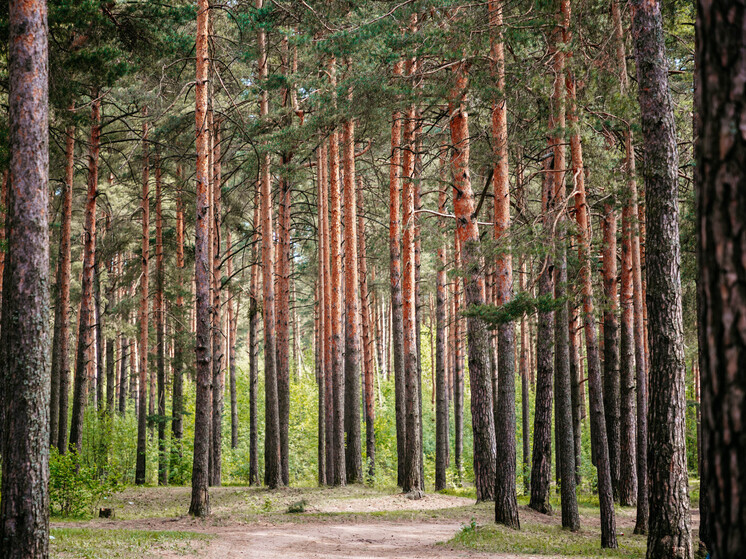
[
  {"x": 541, "y": 539},
  {"x": 93, "y": 543}
]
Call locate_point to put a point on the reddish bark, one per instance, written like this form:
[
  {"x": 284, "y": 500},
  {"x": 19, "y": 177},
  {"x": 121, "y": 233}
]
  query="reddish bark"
[
  {"x": 474, "y": 289},
  {"x": 353, "y": 450},
  {"x": 200, "y": 501},
  {"x": 160, "y": 327}
]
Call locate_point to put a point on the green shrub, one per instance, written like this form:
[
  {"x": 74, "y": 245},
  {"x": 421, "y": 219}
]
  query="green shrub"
[{"x": 76, "y": 489}]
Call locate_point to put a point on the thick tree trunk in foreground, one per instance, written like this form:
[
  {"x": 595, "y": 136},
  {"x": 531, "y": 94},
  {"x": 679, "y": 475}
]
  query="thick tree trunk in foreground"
[
  {"x": 60, "y": 345},
  {"x": 474, "y": 289},
  {"x": 85, "y": 332},
  {"x": 669, "y": 531},
  {"x": 506, "y": 504},
  {"x": 721, "y": 199},
  {"x": 282, "y": 283},
  {"x": 200, "y": 503},
  {"x": 24, "y": 516},
  {"x": 143, "y": 318}
]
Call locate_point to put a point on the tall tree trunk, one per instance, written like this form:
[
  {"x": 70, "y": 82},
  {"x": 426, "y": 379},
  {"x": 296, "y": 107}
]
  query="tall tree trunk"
[
  {"x": 253, "y": 351},
  {"x": 506, "y": 504},
  {"x": 721, "y": 215},
  {"x": 321, "y": 342},
  {"x": 365, "y": 320},
  {"x": 524, "y": 364},
  {"x": 283, "y": 314},
  {"x": 474, "y": 289},
  {"x": 576, "y": 374},
  {"x": 611, "y": 380},
  {"x": 200, "y": 502},
  {"x": 441, "y": 364},
  {"x": 599, "y": 441},
  {"x": 24, "y": 510},
  {"x": 353, "y": 450},
  {"x": 458, "y": 367},
  {"x": 541, "y": 458},
  {"x": 272, "y": 462},
  {"x": 337, "y": 343},
  {"x": 177, "y": 406},
  {"x": 217, "y": 320},
  {"x": 627, "y": 407},
  {"x": 397, "y": 318},
  {"x": 327, "y": 334},
  {"x": 160, "y": 328},
  {"x": 143, "y": 318},
  {"x": 563, "y": 396},
  {"x": 85, "y": 336},
  {"x": 60, "y": 384},
  {"x": 413, "y": 482},
  {"x": 232, "y": 330},
  {"x": 669, "y": 532},
  {"x": 123, "y": 376}
]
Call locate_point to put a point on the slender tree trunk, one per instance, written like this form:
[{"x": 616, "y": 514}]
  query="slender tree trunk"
[
  {"x": 143, "y": 318},
  {"x": 200, "y": 502},
  {"x": 525, "y": 363},
  {"x": 506, "y": 504},
  {"x": 474, "y": 290},
  {"x": 322, "y": 303},
  {"x": 85, "y": 337},
  {"x": 123, "y": 376},
  {"x": 253, "y": 352},
  {"x": 627, "y": 407},
  {"x": 599, "y": 441},
  {"x": 272, "y": 453},
  {"x": 60, "y": 385},
  {"x": 353, "y": 450},
  {"x": 283, "y": 315},
  {"x": 327, "y": 334},
  {"x": 669, "y": 532},
  {"x": 232, "y": 331},
  {"x": 217, "y": 315},
  {"x": 160, "y": 328},
  {"x": 563, "y": 396},
  {"x": 541, "y": 459},
  {"x": 578, "y": 399},
  {"x": 721, "y": 215},
  {"x": 413, "y": 482},
  {"x": 177, "y": 406},
  {"x": 365, "y": 320},
  {"x": 458, "y": 367},
  {"x": 611, "y": 380},
  {"x": 397, "y": 318},
  {"x": 441, "y": 364}
]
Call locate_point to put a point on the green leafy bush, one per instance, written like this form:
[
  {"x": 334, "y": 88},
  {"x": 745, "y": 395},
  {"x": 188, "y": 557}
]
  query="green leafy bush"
[{"x": 75, "y": 489}]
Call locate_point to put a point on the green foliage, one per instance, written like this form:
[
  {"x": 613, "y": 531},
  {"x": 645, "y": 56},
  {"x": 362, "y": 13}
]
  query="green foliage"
[
  {"x": 75, "y": 489},
  {"x": 522, "y": 303}
]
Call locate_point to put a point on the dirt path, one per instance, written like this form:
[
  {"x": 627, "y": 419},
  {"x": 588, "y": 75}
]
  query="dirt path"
[{"x": 340, "y": 541}]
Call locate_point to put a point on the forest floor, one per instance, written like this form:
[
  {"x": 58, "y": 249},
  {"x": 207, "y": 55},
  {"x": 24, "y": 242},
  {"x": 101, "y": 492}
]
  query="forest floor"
[{"x": 359, "y": 522}]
